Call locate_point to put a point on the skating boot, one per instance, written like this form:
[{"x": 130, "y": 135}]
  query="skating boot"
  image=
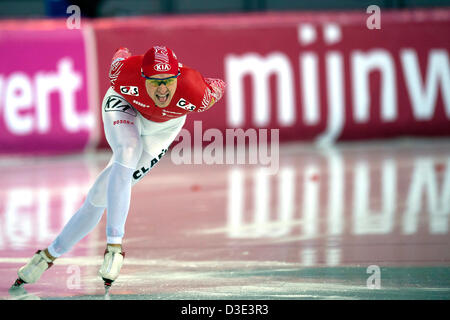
[
  {"x": 33, "y": 270},
  {"x": 112, "y": 263}
]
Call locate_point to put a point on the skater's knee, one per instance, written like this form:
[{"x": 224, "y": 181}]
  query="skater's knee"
[
  {"x": 96, "y": 197},
  {"x": 95, "y": 206},
  {"x": 128, "y": 154},
  {"x": 145, "y": 164}
]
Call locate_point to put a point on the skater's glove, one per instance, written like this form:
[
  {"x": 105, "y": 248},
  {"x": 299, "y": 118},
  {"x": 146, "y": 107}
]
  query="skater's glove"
[
  {"x": 217, "y": 86},
  {"x": 117, "y": 64},
  {"x": 121, "y": 54},
  {"x": 214, "y": 92}
]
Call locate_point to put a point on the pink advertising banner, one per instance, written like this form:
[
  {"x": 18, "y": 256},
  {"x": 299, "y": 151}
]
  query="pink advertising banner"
[
  {"x": 315, "y": 76},
  {"x": 44, "y": 105}
]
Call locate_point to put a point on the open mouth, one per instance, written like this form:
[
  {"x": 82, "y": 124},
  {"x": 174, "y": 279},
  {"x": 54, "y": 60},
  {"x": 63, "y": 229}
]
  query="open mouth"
[{"x": 162, "y": 98}]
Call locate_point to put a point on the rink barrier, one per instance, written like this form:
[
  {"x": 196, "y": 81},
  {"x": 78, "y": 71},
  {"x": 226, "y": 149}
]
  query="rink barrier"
[{"x": 318, "y": 77}]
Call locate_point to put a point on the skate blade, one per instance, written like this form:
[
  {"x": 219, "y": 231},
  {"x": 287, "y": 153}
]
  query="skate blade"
[
  {"x": 107, "y": 284},
  {"x": 107, "y": 295},
  {"x": 18, "y": 292},
  {"x": 18, "y": 283}
]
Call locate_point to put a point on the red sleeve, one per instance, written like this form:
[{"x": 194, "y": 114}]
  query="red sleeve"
[
  {"x": 208, "y": 90},
  {"x": 200, "y": 91},
  {"x": 115, "y": 70},
  {"x": 217, "y": 87},
  {"x": 117, "y": 61}
]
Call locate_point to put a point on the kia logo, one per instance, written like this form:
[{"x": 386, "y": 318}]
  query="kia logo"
[{"x": 162, "y": 67}]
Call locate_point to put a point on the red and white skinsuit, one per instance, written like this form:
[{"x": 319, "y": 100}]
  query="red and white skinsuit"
[
  {"x": 193, "y": 94},
  {"x": 139, "y": 134}
]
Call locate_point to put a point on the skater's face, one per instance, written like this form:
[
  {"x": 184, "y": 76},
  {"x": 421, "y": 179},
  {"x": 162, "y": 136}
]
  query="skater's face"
[{"x": 161, "y": 88}]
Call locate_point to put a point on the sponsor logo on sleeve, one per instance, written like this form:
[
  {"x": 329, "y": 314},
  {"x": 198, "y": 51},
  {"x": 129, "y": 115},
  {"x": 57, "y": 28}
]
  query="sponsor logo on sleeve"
[
  {"x": 206, "y": 100},
  {"x": 183, "y": 104},
  {"x": 114, "y": 71},
  {"x": 116, "y": 122},
  {"x": 143, "y": 105},
  {"x": 129, "y": 90},
  {"x": 117, "y": 103}
]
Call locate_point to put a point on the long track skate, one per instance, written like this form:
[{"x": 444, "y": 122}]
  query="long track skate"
[
  {"x": 112, "y": 263},
  {"x": 32, "y": 271}
]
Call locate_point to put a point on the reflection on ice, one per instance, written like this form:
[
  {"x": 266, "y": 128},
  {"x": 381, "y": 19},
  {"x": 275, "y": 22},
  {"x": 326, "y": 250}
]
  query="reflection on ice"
[
  {"x": 365, "y": 196},
  {"x": 334, "y": 207},
  {"x": 346, "y": 196},
  {"x": 19, "y": 293}
]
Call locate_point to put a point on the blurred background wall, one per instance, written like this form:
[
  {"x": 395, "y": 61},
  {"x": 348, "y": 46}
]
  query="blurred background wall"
[
  {"x": 316, "y": 70},
  {"x": 109, "y": 8}
]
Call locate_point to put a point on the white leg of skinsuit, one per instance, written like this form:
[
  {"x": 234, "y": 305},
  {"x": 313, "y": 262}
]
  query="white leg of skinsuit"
[
  {"x": 90, "y": 213},
  {"x": 122, "y": 131},
  {"x": 155, "y": 138},
  {"x": 112, "y": 188}
]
